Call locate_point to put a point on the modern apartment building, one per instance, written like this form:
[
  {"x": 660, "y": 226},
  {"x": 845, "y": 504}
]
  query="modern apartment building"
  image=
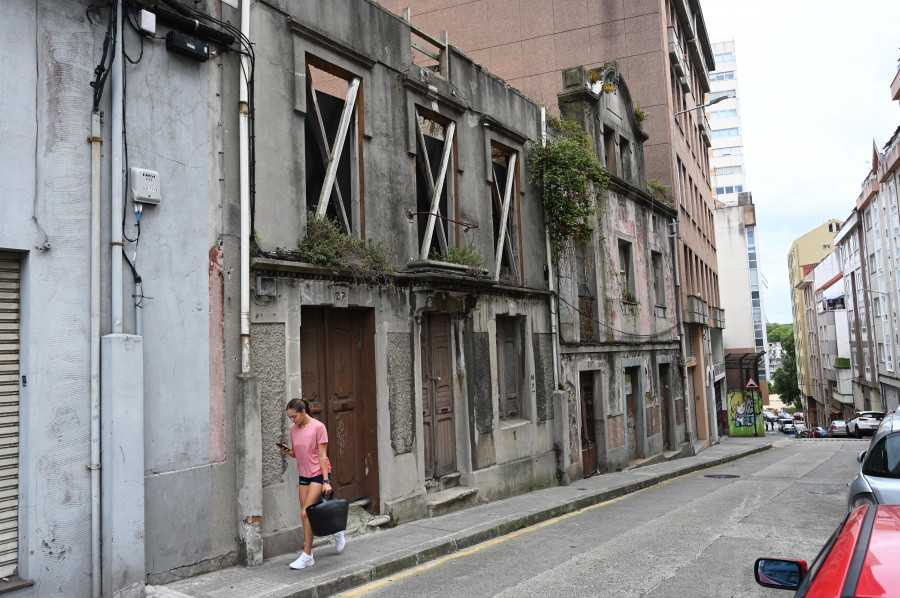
[
  {"x": 805, "y": 254},
  {"x": 865, "y": 388},
  {"x": 736, "y": 244},
  {"x": 662, "y": 48},
  {"x": 878, "y": 204}
]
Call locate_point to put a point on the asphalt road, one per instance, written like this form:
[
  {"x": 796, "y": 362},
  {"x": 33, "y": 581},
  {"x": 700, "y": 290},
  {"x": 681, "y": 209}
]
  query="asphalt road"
[{"x": 695, "y": 536}]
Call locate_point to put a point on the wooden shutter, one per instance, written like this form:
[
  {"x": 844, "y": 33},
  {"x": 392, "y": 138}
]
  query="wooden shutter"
[{"x": 9, "y": 412}]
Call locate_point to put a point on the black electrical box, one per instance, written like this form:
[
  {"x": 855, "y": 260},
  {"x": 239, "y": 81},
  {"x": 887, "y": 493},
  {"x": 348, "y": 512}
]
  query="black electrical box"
[{"x": 190, "y": 47}]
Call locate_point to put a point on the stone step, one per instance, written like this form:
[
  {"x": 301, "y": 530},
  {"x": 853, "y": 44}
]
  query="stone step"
[
  {"x": 452, "y": 499},
  {"x": 445, "y": 482}
]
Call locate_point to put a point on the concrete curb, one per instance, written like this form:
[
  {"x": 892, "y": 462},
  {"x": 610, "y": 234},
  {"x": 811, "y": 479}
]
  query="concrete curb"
[{"x": 397, "y": 562}]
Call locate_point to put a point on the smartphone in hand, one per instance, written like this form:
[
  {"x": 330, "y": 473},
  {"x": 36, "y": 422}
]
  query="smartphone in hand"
[{"x": 282, "y": 446}]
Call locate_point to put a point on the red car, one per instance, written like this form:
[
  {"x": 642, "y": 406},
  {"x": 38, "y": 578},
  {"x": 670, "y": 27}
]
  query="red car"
[{"x": 859, "y": 560}]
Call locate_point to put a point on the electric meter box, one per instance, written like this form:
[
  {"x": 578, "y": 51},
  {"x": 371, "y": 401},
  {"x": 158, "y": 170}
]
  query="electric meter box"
[{"x": 145, "y": 186}]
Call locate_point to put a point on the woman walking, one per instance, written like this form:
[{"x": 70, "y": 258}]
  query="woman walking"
[{"x": 309, "y": 446}]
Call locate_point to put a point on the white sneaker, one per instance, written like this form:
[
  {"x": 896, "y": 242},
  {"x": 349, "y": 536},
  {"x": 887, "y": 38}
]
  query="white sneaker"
[
  {"x": 339, "y": 541},
  {"x": 305, "y": 560}
]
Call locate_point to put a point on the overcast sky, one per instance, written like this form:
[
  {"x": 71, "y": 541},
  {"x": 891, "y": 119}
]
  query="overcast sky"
[{"x": 814, "y": 80}]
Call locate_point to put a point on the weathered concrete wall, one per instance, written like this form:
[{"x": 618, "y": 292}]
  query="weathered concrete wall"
[{"x": 174, "y": 126}]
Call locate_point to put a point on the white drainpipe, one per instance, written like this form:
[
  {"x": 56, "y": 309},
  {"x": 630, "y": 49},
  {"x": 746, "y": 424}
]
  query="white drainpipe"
[
  {"x": 553, "y": 303},
  {"x": 96, "y": 160},
  {"x": 244, "y": 131}
]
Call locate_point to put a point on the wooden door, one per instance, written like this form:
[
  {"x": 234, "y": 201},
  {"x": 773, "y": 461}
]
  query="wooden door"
[
  {"x": 437, "y": 396},
  {"x": 631, "y": 413},
  {"x": 664, "y": 405},
  {"x": 331, "y": 354},
  {"x": 588, "y": 423}
]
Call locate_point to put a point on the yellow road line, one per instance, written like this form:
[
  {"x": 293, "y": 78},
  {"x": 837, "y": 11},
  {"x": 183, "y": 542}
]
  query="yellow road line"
[{"x": 511, "y": 536}]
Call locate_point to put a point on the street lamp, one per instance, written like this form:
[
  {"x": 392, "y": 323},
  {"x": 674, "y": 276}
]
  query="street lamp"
[{"x": 676, "y": 234}]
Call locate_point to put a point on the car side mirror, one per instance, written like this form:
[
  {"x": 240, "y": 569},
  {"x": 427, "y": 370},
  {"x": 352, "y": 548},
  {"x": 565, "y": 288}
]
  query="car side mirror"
[
  {"x": 785, "y": 574},
  {"x": 860, "y": 457}
]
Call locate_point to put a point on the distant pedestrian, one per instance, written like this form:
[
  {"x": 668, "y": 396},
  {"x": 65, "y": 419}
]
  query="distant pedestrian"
[{"x": 309, "y": 446}]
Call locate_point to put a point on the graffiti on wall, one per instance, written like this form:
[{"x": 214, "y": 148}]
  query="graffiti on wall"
[{"x": 745, "y": 413}]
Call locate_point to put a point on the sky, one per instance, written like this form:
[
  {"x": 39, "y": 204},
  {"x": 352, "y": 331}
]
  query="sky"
[{"x": 814, "y": 85}]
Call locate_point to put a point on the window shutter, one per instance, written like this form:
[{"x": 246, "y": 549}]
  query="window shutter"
[{"x": 9, "y": 412}]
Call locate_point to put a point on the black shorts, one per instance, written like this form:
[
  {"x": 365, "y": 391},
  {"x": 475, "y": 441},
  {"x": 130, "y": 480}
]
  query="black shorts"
[{"x": 316, "y": 479}]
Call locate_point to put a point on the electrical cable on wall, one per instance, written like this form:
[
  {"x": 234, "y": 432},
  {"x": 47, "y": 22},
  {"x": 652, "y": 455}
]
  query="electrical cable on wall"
[{"x": 590, "y": 317}]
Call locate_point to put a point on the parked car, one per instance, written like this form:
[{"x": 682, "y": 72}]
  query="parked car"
[
  {"x": 878, "y": 480},
  {"x": 837, "y": 428},
  {"x": 798, "y": 415},
  {"x": 787, "y": 425},
  {"x": 858, "y": 560},
  {"x": 770, "y": 417},
  {"x": 865, "y": 422}
]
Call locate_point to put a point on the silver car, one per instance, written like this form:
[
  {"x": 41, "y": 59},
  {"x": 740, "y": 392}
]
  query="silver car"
[{"x": 878, "y": 480}]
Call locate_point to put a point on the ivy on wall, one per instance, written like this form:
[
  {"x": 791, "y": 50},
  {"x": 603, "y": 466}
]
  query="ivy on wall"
[{"x": 571, "y": 177}]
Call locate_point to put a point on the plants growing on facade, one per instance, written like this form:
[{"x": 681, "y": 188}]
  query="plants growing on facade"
[
  {"x": 325, "y": 245},
  {"x": 640, "y": 115},
  {"x": 571, "y": 177},
  {"x": 467, "y": 255}
]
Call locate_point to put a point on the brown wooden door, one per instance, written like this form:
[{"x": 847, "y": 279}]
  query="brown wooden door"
[
  {"x": 588, "y": 424},
  {"x": 331, "y": 349},
  {"x": 437, "y": 396},
  {"x": 630, "y": 412},
  {"x": 664, "y": 405}
]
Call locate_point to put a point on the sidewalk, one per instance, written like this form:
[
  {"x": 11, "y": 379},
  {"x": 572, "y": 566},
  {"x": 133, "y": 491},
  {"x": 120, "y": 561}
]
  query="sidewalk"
[{"x": 379, "y": 555}]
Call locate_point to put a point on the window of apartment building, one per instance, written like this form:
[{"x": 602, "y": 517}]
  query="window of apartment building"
[
  {"x": 511, "y": 363},
  {"x": 880, "y": 352},
  {"x": 730, "y": 113},
  {"x": 659, "y": 280},
  {"x": 625, "y": 158},
  {"x": 728, "y": 189},
  {"x": 435, "y": 182},
  {"x": 505, "y": 199},
  {"x": 723, "y": 76},
  {"x": 333, "y": 142},
  {"x": 720, "y": 152},
  {"x": 724, "y": 57},
  {"x": 732, "y": 93},
  {"x": 609, "y": 148},
  {"x": 729, "y": 132},
  {"x": 626, "y": 271},
  {"x": 584, "y": 269},
  {"x": 726, "y": 170}
]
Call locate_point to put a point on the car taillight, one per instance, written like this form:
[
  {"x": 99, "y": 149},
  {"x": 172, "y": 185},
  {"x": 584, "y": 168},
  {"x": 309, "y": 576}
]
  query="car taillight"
[{"x": 864, "y": 499}]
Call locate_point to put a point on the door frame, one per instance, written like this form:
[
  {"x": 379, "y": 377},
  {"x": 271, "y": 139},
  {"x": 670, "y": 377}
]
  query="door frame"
[{"x": 365, "y": 320}]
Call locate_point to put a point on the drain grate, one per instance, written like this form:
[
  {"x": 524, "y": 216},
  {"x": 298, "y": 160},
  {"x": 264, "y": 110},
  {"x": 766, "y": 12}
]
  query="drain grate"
[{"x": 721, "y": 476}]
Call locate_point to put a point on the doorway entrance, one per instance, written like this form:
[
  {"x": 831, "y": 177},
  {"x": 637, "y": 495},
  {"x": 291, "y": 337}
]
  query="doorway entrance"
[
  {"x": 664, "y": 398},
  {"x": 437, "y": 396},
  {"x": 588, "y": 423},
  {"x": 338, "y": 379},
  {"x": 634, "y": 413}
]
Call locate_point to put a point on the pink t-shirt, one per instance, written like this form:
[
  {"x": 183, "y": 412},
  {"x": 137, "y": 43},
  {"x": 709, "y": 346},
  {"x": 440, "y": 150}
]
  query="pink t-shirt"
[{"x": 305, "y": 442}]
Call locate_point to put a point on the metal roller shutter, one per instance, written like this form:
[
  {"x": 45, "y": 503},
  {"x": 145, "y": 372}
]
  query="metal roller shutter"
[{"x": 9, "y": 412}]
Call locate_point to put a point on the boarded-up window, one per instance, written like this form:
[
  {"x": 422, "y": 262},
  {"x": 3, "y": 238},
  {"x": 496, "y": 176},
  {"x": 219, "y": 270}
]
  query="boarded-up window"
[
  {"x": 333, "y": 144},
  {"x": 659, "y": 281},
  {"x": 506, "y": 224},
  {"x": 435, "y": 183},
  {"x": 626, "y": 271},
  {"x": 9, "y": 411},
  {"x": 510, "y": 360},
  {"x": 584, "y": 278}
]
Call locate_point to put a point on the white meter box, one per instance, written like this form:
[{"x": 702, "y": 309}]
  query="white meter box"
[{"x": 145, "y": 187}]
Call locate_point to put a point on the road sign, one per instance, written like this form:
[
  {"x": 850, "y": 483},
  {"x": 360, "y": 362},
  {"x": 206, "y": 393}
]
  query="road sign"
[{"x": 751, "y": 383}]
